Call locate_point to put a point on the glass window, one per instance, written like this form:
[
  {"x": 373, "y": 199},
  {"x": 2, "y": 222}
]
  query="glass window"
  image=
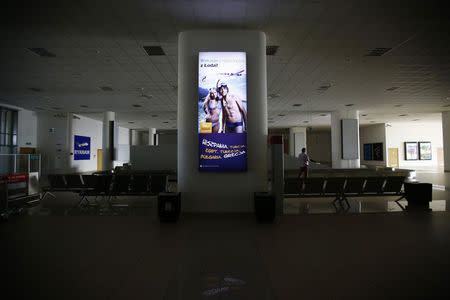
[{"x": 8, "y": 130}]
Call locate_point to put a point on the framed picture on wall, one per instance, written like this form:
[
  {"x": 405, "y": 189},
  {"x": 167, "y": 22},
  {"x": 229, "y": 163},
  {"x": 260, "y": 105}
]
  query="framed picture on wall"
[
  {"x": 425, "y": 150},
  {"x": 411, "y": 151},
  {"x": 377, "y": 150},
  {"x": 367, "y": 151}
]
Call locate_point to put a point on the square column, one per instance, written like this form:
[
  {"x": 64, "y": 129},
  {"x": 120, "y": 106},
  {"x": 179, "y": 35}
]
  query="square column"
[{"x": 232, "y": 191}]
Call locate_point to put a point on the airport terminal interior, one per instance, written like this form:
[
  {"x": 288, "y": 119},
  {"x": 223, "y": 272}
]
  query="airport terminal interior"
[{"x": 237, "y": 149}]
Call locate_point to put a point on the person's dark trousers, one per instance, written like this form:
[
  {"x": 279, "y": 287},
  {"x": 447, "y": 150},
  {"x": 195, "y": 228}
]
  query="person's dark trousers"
[{"x": 303, "y": 171}]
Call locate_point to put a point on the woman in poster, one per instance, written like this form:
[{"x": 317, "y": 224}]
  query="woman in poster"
[{"x": 212, "y": 110}]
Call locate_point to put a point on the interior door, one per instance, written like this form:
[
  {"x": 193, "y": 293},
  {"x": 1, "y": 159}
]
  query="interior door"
[
  {"x": 393, "y": 157},
  {"x": 99, "y": 160}
]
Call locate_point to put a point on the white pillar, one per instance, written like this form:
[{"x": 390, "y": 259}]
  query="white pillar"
[
  {"x": 297, "y": 140},
  {"x": 108, "y": 163},
  {"x": 221, "y": 192},
  {"x": 338, "y": 162},
  {"x": 152, "y": 137},
  {"x": 446, "y": 139},
  {"x": 135, "y": 137}
]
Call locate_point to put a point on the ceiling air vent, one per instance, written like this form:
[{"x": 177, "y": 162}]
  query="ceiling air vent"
[
  {"x": 392, "y": 88},
  {"x": 378, "y": 51},
  {"x": 106, "y": 88},
  {"x": 42, "y": 52},
  {"x": 154, "y": 50},
  {"x": 323, "y": 87},
  {"x": 271, "y": 50},
  {"x": 35, "y": 89},
  {"x": 273, "y": 95}
]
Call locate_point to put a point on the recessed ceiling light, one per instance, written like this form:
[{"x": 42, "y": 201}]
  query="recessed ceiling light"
[
  {"x": 297, "y": 104},
  {"x": 35, "y": 89},
  {"x": 281, "y": 115},
  {"x": 84, "y": 106},
  {"x": 350, "y": 104},
  {"x": 271, "y": 50},
  {"x": 403, "y": 115},
  {"x": 106, "y": 88},
  {"x": 42, "y": 52},
  {"x": 364, "y": 115},
  {"x": 137, "y": 105},
  {"x": 398, "y": 105}
]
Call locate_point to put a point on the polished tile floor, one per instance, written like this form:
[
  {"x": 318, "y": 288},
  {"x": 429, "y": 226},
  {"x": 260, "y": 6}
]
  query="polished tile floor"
[
  {"x": 322, "y": 256},
  {"x": 310, "y": 252}
]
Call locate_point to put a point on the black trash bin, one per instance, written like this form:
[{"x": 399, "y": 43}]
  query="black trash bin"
[
  {"x": 265, "y": 209},
  {"x": 169, "y": 207},
  {"x": 419, "y": 195}
]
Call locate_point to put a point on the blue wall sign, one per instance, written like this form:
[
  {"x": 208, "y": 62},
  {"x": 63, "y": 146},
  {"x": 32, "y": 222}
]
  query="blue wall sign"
[{"x": 81, "y": 148}]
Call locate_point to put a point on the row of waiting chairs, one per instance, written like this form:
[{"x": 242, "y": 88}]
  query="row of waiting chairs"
[
  {"x": 340, "y": 188},
  {"x": 107, "y": 185}
]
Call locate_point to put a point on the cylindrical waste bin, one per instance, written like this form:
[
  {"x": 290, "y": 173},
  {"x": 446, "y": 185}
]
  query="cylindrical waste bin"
[
  {"x": 169, "y": 206},
  {"x": 419, "y": 195},
  {"x": 264, "y": 207}
]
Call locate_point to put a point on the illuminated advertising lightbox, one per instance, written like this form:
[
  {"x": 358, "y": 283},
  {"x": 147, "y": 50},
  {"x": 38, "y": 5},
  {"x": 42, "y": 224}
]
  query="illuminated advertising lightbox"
[{"x": 222, "y": 111}]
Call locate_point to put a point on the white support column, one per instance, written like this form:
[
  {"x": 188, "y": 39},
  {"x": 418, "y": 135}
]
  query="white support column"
[
  {"x": 221, "y": 192},
  {"x": 135, "y": 138},
  {"x": 446, "y": 139},
  {"x": 297, "y": 140},
  {"x": 152, "y": 137},
  {"x": 108, "y": 163},
  {"x": 338, "y": 162}
]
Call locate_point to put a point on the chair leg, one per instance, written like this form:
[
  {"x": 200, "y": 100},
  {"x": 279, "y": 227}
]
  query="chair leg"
[
  {"x": 45, "y": 194},
  {"x": 399, "y": 204},
  {"x": 334, "y": 204},
  {"x": 348, "y": 204}
]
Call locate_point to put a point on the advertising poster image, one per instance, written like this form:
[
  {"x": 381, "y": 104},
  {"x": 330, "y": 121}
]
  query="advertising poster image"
[
  {"x": 222, "y": 111},
  {"x": 411, "y": 151},
  {"x": 81, "y": 147}
]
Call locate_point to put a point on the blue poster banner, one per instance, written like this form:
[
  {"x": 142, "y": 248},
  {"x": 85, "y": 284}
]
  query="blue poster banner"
[
  {"x": 81, "y": 147},
  {"x": 224, "y": 152}
]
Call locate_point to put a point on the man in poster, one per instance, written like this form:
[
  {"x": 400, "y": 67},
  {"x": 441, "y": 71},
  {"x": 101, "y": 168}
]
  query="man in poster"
[{"x": 234, "y": 115}]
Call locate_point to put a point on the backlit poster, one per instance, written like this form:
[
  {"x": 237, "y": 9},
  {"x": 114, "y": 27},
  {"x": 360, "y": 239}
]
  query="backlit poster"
[
  {"x": 222, "y": 111},
  {"x": 81, "y": 147}
]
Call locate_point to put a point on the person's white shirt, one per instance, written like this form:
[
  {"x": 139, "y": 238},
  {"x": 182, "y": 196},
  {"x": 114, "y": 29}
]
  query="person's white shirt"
[{"x": 304, "y": 160}]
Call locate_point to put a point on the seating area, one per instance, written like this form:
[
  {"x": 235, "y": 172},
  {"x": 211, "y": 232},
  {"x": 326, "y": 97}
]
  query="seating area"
[
  {"x": 342, "y": 188},
  {"x": 106, "y": 186}
]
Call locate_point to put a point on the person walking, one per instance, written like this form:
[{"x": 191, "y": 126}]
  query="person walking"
[{"x": 304, "y": 164}]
